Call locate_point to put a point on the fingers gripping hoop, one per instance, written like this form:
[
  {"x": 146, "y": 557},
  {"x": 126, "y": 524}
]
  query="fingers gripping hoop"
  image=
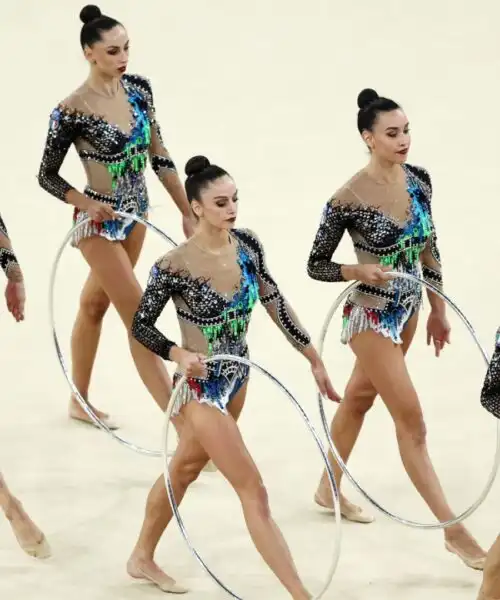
[
  {"x": 331, "y": 478},
  {"x": 81, "y": 400},
  {"x": 436, "y": 525}
]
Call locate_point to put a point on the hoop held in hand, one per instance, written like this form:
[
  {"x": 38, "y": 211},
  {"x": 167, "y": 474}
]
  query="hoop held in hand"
[{"x": 496, "y": 461}]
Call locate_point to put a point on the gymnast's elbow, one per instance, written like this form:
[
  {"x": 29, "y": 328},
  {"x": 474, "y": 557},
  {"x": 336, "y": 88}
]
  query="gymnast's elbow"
[
  {"x": 42, "y": 179},
  {"x": 313, "y": 270},
  {"x": 138, "y": 329}
]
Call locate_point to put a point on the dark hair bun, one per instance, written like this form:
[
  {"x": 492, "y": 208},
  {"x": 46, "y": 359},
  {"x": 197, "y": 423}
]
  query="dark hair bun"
[
  {"x": 90, "y": 13},
  {"x": 195, "y": 165},
  {"x": 366, "y": 97}
]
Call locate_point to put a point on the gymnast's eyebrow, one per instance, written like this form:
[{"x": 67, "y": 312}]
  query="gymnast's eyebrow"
[{"x": 224, "y": 197}]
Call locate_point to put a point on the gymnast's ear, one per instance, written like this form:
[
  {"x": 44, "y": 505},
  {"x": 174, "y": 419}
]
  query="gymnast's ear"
[
  {"x": 197, "y": 208},
  {"x": 368, "y": 139}
]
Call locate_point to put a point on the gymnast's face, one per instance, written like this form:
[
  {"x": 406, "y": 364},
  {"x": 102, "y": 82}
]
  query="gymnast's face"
[
  {"x": 218, "y": 204},
  {"x": 390, "y": 138},
  {"x": 110, "y": 54}
]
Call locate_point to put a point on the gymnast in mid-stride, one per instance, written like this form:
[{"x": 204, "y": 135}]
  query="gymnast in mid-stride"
[
  {"x": 28, "y": 535},
  {"x": 111, "y": 121},
  {"x": 490, "y": 399},
  {"x": 215, "y": 280},
  {"x": 386, "y": 207}
]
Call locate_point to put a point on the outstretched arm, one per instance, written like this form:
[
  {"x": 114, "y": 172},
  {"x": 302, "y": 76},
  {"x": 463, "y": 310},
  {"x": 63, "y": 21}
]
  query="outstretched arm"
[{"x": 160, "y": 287}]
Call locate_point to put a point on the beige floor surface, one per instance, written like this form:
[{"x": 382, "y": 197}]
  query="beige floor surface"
[{"x": 268, "y": 90}]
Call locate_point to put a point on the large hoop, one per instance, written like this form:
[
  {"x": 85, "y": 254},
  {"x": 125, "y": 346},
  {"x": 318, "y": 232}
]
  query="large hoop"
[
  {"x": 331, "y": 477},
  {"x": 439, "y": 525},
  {"x": 81, "y": 400}
]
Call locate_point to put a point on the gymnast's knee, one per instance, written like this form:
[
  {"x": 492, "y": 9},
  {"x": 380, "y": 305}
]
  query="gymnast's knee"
[
  {"x": 254, "y": 497},
  {"x": 410, "y": 426},
  {"x": 187, "y": 472},
  {"x": 359, "y": 400},
  {"x": 94, "y": 307}
]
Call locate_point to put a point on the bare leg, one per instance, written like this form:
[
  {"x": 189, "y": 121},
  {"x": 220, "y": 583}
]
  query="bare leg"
[
  {"x": 490, "y": 589},
  {"x": 218, "y": 436},
  {"x": 94, "y": 304},
  {"x": 346, "y": 425},
  {"x": 187, "y": 463},
  {"x": 113, "y": 269},
  {"x": 85, "y": 337},
  {"x": 28, "y": 535},
  {"x": 384, "y": 363}
]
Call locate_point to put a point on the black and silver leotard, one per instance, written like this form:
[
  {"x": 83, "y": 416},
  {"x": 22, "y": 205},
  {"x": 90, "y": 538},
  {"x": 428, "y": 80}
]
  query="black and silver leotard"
[
  {"x": 214, "y": 297},
  {"x": 114, "y": 140},
  {"x": 490, "y": 393},
  {"x": 391, "y": 226}
]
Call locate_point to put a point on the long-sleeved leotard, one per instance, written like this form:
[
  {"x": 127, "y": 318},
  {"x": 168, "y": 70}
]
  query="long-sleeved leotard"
[
  {"x": 214, "y": 296},
  {"x": 386, "y": 227},
  {"x": 490, "y": 393},
  {"x": 8, "y": 259},
  {"x": 114, "y": 143}
]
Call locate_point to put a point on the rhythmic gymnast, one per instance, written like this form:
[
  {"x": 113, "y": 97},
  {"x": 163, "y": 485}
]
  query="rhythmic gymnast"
[
  {"x": 490, "y": 399},
  {"x": 111, "y": 121},
  {"x": 27, "y": 534},
  {"x": 386, "y": 207},
  {"x": 214, "y": 280}
]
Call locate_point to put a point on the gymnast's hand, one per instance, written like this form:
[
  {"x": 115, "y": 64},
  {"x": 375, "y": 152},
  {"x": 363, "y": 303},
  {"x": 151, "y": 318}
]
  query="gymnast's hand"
[
  {"x": 15, "y": 297},
  {"x": 191, "y": 363},
  {"x": 324, "y": 384},
  {"x": 438, "y": 331},
  {"x": 372, "y": 274},
  {"x": 100, "y": 211}
]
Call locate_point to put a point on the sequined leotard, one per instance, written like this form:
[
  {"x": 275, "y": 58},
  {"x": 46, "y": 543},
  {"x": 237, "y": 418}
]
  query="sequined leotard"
[
  {"x": 387, "y": 228},
  {"x": 490, "y": 393},
  {"x": 114, "y": 150},
  {"x": 8, "y": 260},
  {"x": 214, "y": 296}
]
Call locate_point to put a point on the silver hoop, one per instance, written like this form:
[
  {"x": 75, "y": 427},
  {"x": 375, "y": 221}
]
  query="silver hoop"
[
  {"x": 338, "y": 458},
  {"x": 331, "y": 477},
  {"x": 81, "y": 400}
]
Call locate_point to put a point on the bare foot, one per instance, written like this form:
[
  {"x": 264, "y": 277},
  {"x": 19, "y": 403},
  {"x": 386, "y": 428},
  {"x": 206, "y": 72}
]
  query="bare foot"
[
  {"x": 348, "y": 510},
  {"x": 28, "y": 535},
  {"x": 460, "y": 542},
  {"x": 77, "y": 413},
  {"x": 147, "y": 569}
]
